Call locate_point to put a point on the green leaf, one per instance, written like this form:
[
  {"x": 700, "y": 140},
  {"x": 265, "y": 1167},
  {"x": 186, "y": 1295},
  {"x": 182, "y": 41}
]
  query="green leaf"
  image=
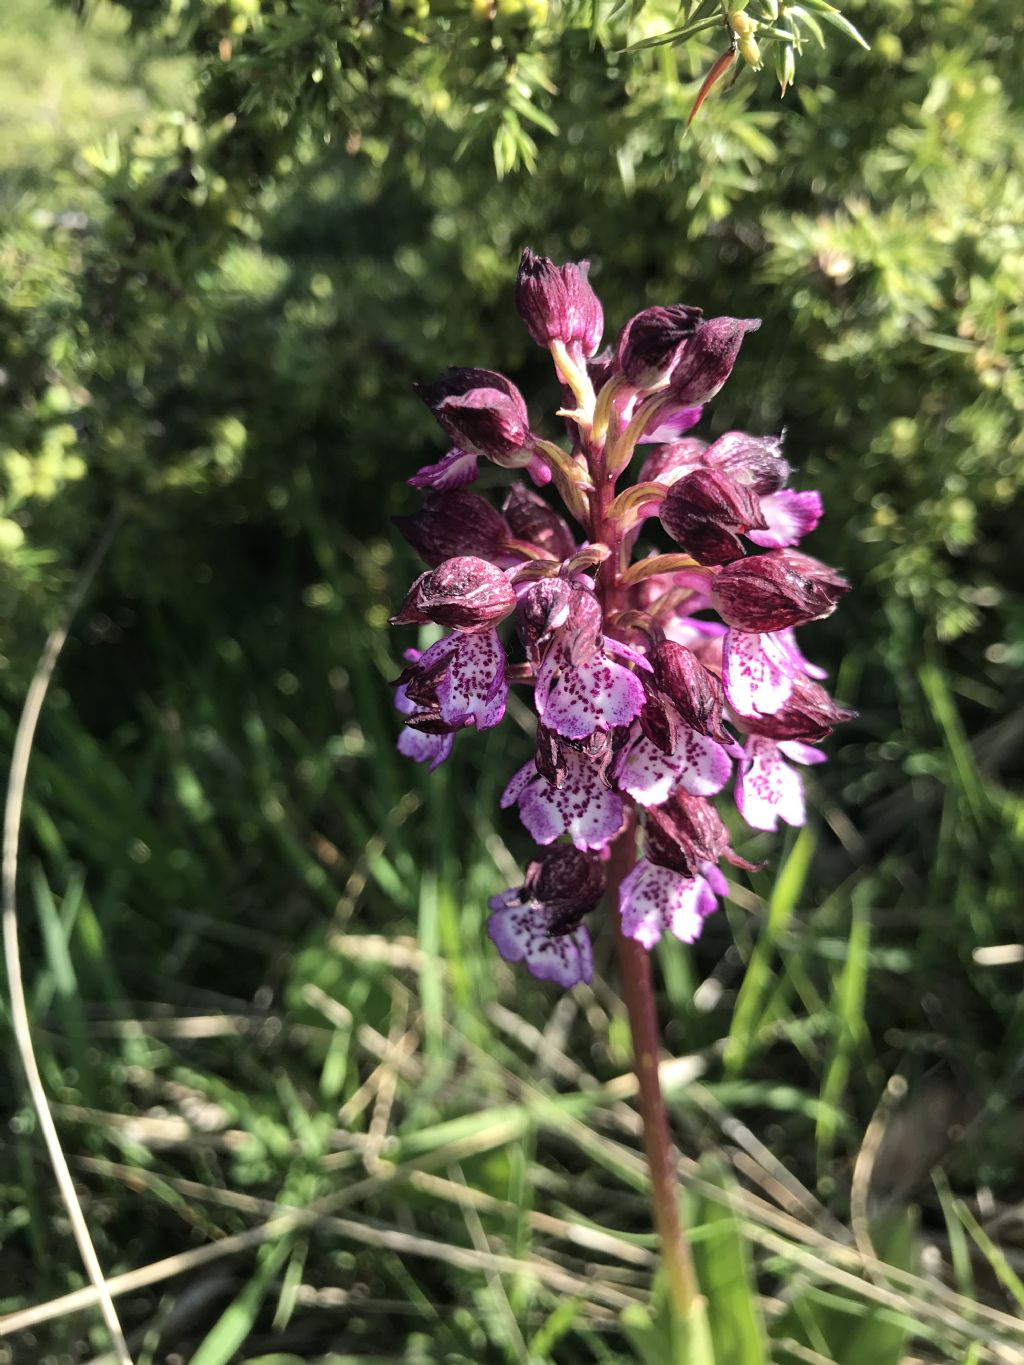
[
  {"x": 725, "y": 1272},
  {"x": 238, "y": 1319}
]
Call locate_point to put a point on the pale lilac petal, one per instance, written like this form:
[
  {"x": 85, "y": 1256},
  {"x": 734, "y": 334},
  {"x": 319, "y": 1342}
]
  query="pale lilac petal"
[
  {"x": 473, "y": 691},
  {"x": 627, "y": 652},
  {"x": 522, "y": 934},
  {"x": 800, "y": 752},
  {"x": 655, "y": 900},
  {"x": 455, "y": 470},
  {"x": 786, "y": 639},
  {"x": 699, "y": 765},
  {"x": 421, "y": 748},
  {"x": 768, "y": 789},
  {"x": 439, "y": 650},
  {"x": 789, "y": 515},
  {"x": 582, "y": 698},
  {"x": 756, "y": 672},
  {"x": 671, "y": 425},
  {"x": 691, "y": 632},
  {"x": 713, "y": 876},
  {"x": 704, "y": 766},
  {"x": 582, "y": 807},
  {"x": 645, "y": 773},
  {"x": 518, "y": 784}
]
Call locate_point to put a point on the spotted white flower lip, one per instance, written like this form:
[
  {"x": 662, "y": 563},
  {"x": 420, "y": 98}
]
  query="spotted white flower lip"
[{"x": 582, "y": 807}]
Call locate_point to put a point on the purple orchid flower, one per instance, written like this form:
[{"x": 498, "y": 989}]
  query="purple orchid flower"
[{"x": 655, "y": 677}]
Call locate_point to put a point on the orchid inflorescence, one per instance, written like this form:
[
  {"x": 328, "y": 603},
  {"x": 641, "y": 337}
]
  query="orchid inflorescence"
[{"x": 653, "y": 677}]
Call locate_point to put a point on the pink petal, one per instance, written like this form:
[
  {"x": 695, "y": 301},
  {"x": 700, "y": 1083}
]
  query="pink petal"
[
  {"x": 699, "y": 765},
  {"x": 654, "y": 900},
  {"x": 789, "y": 515},
  {"x": 768, "y": 789},
  {"x": 522, "y": 935},
  {"x": 518, "y": 784},
  {"x": 645, "y": 773},
  {"x": 582, "y": 807},
  {"x": 704, "y": 766},
  {"x": 455, "y": 470},
  {"x": 757, "y": 673},
  {"x": 671, "y": 425},
  {"x": 786, "y": 639},
  {"x": 627, "y": 652},
  {"x": 473, "y": 691},
  {"x": 801, "y": 753},
  {"x": 582, "y": 698}
]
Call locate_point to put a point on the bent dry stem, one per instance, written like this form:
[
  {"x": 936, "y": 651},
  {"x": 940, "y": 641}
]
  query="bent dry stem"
[{"x": 656, "y": 677}]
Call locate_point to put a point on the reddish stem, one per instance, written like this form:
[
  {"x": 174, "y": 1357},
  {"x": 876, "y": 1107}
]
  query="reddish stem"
[
  {"x": 637, "y": 978},
  {"x": 638, "y": 993}
]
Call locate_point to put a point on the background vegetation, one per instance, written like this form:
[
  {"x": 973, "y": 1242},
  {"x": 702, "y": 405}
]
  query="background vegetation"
[{"x": 230, "y": 236}]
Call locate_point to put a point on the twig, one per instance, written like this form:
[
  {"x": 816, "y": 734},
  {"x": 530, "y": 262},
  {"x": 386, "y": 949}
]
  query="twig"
[{"x": 20, "y": 757}]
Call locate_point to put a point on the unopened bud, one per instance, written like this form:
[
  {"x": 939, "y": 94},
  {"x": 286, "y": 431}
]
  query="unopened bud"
[
  {"x": 708, "y": 358},
  {"x": 750, "y": 52},
  {"x": 706, "y": 512},
  {"x": 696, "y": 692},
  {"x": 772, "y": 591},
  {"x": 463, "y": 593},
  {"x": 652, "y": 341},
  {"x": 455, "y": 523},
  {"x": 534, "y": 521},
  {"x": 482, "y": 412},
  {"x": 557, "y": 303}
]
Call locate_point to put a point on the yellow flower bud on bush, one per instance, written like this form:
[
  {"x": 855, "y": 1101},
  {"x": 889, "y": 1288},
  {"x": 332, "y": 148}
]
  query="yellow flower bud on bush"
[
  {"x": 741, "y": 24},
  {"x": 750, "y": 52}
]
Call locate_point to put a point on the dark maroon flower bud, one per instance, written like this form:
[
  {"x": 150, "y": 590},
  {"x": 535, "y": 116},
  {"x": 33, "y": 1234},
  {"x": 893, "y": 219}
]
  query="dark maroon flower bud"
[
  {"x": 706, "y": 512},
  {"x": 557, "y": 303},
  {"x": 708, "y": 357},
  {"x": 651, "y": 343},
  {"x": 774, "y": 590},
  {"x": 455, "y": 523},
  {"x": 686, "y": 832},
  {"x": 542, "y": 608},
  {"x": 659, "y": 719},
  {"x": 809, "y": 714},
  {"x": 482, "y": 412},
  {"x": 668, "y": 463},
  {"x": 755, "y": 461},
  {"x": 696, "y": 692},
  {"x": 464, "y": 593},
  {"x": 568, "y": 882},
  {"x": 534, "y": 521}
]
